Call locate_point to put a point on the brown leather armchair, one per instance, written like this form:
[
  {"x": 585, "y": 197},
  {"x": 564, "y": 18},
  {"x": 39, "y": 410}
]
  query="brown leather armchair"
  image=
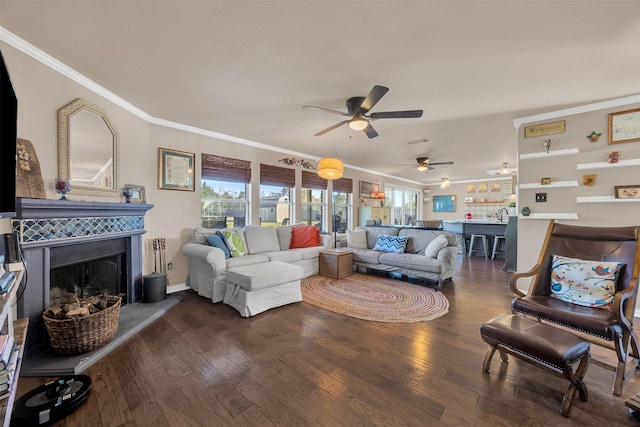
[{"x": 611, "y": 329}]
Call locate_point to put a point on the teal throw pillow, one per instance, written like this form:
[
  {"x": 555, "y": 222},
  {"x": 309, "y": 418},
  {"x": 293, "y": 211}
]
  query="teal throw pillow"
[
  {"x": 217, "y": 242},
  {"x": 391, "y": 244},
  {"x": 235, "y": 243}
]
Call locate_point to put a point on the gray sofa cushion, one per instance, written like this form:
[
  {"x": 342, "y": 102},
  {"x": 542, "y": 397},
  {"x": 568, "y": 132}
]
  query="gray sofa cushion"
[
  {"x": 366, "y": 256},
  {"x": 246, "y": 260},
  {"x": 284, "y": 236},
  {"x": 284, "y": 256},
  {"x": 413, "y": 262},
  {"x": 374, "y": 232},
  {"x": 200, "y": 233},
  {"x": 261, "y": 239},
  {"x": 419, "y": 239}
]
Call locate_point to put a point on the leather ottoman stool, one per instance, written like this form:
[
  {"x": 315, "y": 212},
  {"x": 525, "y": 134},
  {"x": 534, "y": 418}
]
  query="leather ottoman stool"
[
  {"x": 547, "y": 347},
  {"x": 252, "y": 289}
]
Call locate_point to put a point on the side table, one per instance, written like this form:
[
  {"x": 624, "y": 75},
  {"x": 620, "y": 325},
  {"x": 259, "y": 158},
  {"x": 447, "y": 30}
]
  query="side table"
[{"x": 336, "y": 263}]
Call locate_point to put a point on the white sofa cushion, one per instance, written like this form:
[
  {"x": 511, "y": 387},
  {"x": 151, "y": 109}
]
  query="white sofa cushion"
[
  {"x": 246, "y": 260},
  {"x": 284, "y": 256},
  {"x": 284, "y": 236},
  {"x": 435, "y": 246},
  {"x": 357, "y": 239},
  {"x": 261, "y": 239}
]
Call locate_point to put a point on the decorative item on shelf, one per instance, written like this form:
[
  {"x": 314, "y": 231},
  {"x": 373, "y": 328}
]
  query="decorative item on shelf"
[
  {"x": 614, "y": 156},
  {"x": 589, "y": 180},
  {"x": 512, "y": 209},
  {"x": 594, "y": 136},
  {"x": 444, "y": 183},
  {"x": 468, "y": 199},
  {"x": 545, "y": 181},
  {"x": 467, "y": 215},
  {"x": 526, "y": 211},
  {"x": 63, "y": 186},
  {"x": 547, "y": 144},
  {"x": 127, "y": 195},
  {"x": 627, "y": 191},
  {"x": 624, "y": 126},
  {"x": 292, "y": 161},
  {"x": 29, "y": 183},
  {"x": 136, "y": 193}
]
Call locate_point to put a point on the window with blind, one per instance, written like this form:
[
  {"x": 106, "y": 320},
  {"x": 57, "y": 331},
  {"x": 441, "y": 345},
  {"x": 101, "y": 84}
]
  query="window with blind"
[
  {"x": 223, "y": 191},
  {"x": 276, "y": 188},
  {"x": 314, "y": 203},
  {"x": 343, "y": 204}
]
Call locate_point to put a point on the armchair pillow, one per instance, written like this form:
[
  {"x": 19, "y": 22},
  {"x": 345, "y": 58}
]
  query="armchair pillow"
[
  {"x": 234, "y": 242},
  {"x": 305, "y": 237},
  {"x": 391, "y": 244},
  {"x": 357, "y": 239},
  {"x": 216, "y": 241},
  {"x": 586, "y": 283},
  {"x": 435, "y": 246}
]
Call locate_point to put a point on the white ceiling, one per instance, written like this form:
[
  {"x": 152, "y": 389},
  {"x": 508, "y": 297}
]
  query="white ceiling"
[{"x": 246, "y": 68}]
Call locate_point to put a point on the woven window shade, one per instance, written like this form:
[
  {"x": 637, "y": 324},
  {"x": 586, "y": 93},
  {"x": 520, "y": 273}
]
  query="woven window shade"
[
  {"x": 313, "y": 181},
  {"x": 343, "y": 184},
  {"x": 225, "y": 169},
  {"x": 275, "y": 175}
]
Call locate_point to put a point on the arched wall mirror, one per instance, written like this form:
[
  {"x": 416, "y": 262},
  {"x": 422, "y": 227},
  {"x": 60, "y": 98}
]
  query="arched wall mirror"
[{"x": 88, "y": 150}]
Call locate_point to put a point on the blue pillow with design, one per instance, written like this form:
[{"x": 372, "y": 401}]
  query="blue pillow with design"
[
  {"x": 391, "y": 244},
  {"x": 217, "y": 242}
]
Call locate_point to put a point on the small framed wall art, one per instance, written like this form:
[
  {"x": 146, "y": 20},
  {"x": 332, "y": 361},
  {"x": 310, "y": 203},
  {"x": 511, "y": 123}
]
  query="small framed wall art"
[
  {"x": 624, "y": 126},
  {"x": 627, "y": 191},
  {"x": 134, "y": 193},
  {"x": 175, "y": 170}
]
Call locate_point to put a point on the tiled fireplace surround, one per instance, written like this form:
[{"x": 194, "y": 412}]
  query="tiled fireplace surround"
[{"x": 44, "y": 226}]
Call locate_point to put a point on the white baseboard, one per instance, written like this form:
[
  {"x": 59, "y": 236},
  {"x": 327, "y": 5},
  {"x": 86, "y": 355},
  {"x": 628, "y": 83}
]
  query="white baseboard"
[{"x": 177, "y": 288}]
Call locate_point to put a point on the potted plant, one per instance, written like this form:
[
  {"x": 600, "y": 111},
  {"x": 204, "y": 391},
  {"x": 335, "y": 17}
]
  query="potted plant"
[
  {"x": 526, "y": 211},
  {"x": 512, "y": 209}
]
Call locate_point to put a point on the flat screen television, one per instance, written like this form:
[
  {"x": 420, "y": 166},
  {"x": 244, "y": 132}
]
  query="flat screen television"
[{"x": 8, "y": 142}]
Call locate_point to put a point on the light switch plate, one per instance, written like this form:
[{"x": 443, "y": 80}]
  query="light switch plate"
[{"x": 541, "y": 197}]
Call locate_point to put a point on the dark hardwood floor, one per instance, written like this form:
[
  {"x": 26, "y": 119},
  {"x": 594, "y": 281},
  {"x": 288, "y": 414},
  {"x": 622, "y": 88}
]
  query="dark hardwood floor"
[{"x": 204, "y": 365}]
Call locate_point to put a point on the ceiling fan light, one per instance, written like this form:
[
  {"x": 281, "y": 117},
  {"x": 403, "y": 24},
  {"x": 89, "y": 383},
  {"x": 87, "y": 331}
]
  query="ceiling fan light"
[
  {"x": 358, "y": 123},
  {"x": 330, "y": 168},
  {"x": 422, "y": 167},
  {"x": 505, "y": 170}
]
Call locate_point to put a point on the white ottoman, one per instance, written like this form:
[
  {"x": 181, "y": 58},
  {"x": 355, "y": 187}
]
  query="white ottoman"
[{"x": 252, "y": 289}]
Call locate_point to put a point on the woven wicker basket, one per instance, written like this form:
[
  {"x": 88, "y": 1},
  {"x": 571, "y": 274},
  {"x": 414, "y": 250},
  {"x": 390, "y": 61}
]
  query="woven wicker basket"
[{"x": 75, "y": 336}]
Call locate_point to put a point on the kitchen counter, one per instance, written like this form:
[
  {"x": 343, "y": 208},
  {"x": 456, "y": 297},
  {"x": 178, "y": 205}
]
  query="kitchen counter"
[{"x": 467, "y": 227}]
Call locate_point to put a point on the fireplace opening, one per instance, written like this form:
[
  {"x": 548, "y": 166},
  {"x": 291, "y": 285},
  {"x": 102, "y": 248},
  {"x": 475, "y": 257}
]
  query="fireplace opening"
[
  {"x": 89, "y": 278},
  {"x": 89, "y": 269}
]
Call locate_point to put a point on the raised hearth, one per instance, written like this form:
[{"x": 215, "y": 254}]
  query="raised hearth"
[{"x": 49, "y": 228}]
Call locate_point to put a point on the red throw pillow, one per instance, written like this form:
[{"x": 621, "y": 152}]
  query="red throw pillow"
[{"x": 304, "y": 237}]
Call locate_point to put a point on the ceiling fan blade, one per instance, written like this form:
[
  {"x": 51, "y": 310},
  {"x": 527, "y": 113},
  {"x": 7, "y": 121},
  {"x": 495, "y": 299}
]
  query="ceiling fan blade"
[
  {"x": 396, "y": 114},
  {"x": 370, "y": 131},
  {"x": 440, "y": 163},
  {"x": 330, "y": 128},
  {"x": 372, "y": 99},
  {"x": 326, "y": 110}
]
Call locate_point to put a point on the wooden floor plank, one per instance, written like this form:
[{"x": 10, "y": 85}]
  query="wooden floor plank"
[{"x": 204, "y": 364}]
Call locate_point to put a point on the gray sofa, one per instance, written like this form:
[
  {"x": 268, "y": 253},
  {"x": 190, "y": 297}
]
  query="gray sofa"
[
  {"x": 413, "y": 261},
  {"x": 208, "y": 266}
]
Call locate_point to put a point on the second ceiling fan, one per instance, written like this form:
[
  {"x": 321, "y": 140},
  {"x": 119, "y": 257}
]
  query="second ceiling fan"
[
  {"x": 425, "y": 164},
  {"x": 357, "y": 109}
]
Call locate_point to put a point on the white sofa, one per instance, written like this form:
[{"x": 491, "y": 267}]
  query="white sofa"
[
  {"x": 413, "y": 261},
  {"x": 208, "y": 266}
]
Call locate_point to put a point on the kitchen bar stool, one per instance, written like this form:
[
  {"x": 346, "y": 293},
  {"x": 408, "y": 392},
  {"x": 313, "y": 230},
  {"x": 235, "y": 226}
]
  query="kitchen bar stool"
[
  {"x": 472, "y": 245},
  {"x": 496, "y": 246}
]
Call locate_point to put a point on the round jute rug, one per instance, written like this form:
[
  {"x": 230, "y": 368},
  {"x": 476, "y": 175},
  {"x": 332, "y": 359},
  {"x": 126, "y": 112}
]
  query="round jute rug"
[{"x": 374, "y": 298}]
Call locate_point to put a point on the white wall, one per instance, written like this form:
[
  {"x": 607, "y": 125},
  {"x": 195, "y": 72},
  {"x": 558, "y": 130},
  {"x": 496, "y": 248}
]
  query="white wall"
[{"x": 42, "y": 91}]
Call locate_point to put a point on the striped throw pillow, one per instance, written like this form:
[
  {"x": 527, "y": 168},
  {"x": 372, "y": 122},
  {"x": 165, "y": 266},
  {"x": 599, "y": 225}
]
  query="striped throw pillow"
[{"x": 391, "y": 244}]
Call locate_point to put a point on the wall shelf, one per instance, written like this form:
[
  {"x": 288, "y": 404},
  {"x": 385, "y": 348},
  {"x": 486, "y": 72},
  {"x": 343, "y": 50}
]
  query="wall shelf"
[
  {"x": 557, "y": 184},
  {"x": 549, "y": 216},
  {"x": 606, "y": 165},
  {"x": 604, "y": 199},
  {"x": 491, "y": 202},
  {"x": 551, "y": 153}
]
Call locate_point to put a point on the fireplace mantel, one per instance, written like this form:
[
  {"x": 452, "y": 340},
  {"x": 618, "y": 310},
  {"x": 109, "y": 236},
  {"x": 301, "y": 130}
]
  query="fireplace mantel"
[{"x": 44, "y": 208}]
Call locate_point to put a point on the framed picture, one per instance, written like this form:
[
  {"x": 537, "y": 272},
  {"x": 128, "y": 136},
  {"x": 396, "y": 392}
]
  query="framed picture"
[
  {"x": 135, "y": 192},
  {"x": 495, "y": 187},
  {"x": 368, "y": 188},
  {"x": 483, "y": 187},
  {"x": 444, "y": 203},
  {"x": 624, "y": 126},
  {"x": 627, "y": 191},
  {"x": 545, "y": 181},
  {"x": 471, "y": 188},
  {"x": 175, "y": 170}
]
